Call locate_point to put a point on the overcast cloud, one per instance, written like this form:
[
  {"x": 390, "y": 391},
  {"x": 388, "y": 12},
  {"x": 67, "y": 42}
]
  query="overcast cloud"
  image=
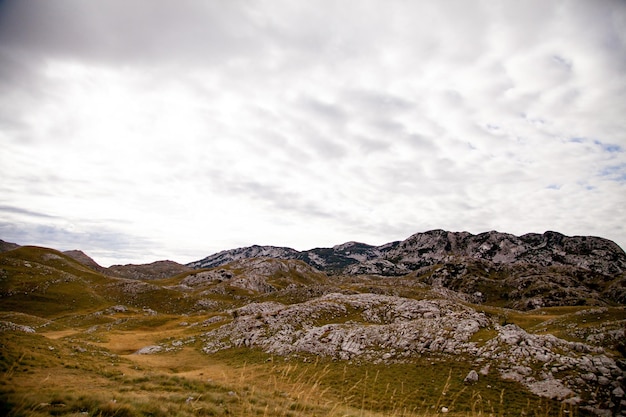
[{"x": 139, "y": 130}]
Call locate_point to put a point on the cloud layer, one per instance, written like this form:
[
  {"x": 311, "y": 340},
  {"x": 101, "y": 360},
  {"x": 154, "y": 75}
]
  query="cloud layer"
[{"x": 139, "y": 130}]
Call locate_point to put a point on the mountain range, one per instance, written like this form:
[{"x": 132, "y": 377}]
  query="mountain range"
[
  {"x": 523, "y": 272},
  {"x": 426, "y": 249},
  {"x": 527, "y": 271}
]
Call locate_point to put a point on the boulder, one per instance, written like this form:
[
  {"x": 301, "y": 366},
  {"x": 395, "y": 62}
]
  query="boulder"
[{"x": 472, "y": 377}]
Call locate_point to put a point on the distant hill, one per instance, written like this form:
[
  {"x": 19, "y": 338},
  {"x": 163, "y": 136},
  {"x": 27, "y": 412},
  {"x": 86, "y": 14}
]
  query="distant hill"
[
  {"x": 84, "y": 259},
  {"x": 7, "y": 246},
  {"x": 154, "y": 270}
]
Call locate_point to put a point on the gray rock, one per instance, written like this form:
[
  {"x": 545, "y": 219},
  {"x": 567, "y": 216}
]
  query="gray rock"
[
  {"x": 7, "y": 325},
  {"x": 149, "y": 350},
  {"x": 551, "y": 388},
  {"x": 471, "y": 377}
]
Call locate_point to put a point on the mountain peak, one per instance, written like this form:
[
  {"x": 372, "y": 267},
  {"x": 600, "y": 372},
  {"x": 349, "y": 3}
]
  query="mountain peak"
[{"x": 84, "y": 259}]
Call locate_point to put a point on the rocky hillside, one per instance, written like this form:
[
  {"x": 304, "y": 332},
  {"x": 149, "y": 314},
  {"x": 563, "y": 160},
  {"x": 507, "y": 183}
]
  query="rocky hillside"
[
  {"x": 437, "y": 246},
  {"x": 372, "y": 328},
  {"x": 522, "y": 272},
  {"x": 549, "y": 249},
  {"x": 330, "y": 260}
]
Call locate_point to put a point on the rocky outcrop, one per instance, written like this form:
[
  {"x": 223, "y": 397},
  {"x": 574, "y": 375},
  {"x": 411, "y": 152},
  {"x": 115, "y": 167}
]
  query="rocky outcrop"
[
  {"x": 385, "y": 329},
  {"x": 365, "y": 326},
  {"x": 10, "y": 326},
  {"x": 556, "y": 368},
  {"x": 254, "y": 276}
]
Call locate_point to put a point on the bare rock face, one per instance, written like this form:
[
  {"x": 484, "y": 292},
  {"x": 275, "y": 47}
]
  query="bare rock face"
[
  {"x": 438, "y": 246},
  {"x": 256, "y": 276},
  {"x": 255, "y": 251},
  {"x": 552, "y": 367},
  {"x": 549, "y": 249}
]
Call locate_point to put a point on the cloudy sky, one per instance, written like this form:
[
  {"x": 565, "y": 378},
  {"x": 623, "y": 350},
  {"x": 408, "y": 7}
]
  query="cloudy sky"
[{"x": 139, "y": 130}]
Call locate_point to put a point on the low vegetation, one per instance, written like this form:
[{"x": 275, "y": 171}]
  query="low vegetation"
[{"x": 74, "y": 342}]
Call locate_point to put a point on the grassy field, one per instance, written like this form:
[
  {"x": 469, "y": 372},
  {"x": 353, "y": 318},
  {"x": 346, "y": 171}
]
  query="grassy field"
[
  {"x": 82, "y": 360},
  {"x": 76, "y": 372}
]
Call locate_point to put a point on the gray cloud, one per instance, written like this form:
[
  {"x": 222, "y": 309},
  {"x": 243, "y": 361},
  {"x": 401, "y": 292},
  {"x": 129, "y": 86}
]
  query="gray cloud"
[
  {"x": 139, "y": 32},
  {"x": 311, "y": 123},
  {"x": 105, "y": 245},
  {"x": 22, "y": 211}
]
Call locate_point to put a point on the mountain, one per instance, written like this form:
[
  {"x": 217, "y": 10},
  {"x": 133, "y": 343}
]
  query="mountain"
[
  {"x": 154, "y": 270},
  {"x": 85, "y": 259},
  {"x": 523, "y": 272},
  {"x": 549, "y": 249},
  {"x": 255, "y": 251},
  {"x": 331, "y": 260},
  {"x": 7, "y": 246},
  {"x": 436, "y": 246}
]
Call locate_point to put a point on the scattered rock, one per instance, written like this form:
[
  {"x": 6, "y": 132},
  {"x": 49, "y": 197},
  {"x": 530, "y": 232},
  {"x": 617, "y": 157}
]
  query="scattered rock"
[
  {"x": 149, "y": 350},
  {"x": 10, "y": 326},
  {"x": 551, "y": 388},
  {"x": 472, "y": 377},
  {"x": 149, "y": 312}
]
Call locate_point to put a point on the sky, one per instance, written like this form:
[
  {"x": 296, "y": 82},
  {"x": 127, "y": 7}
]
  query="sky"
[{"x": 141, "y": 130}]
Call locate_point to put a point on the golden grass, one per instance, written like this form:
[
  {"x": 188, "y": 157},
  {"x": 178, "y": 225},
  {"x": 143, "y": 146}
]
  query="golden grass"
[
  {"x": 62, "y": 374},
  {"x": 189, "y": 383}
]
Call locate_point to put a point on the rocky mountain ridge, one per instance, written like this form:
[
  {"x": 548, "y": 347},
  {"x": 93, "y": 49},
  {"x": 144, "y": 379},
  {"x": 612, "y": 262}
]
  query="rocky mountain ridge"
[
  {"x": 522, "y": 272},
  {"x": 438, "y": 246}
]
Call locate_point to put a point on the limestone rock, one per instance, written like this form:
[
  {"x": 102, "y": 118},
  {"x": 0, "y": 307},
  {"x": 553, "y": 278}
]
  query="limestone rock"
[
  {"x": 149, "y": 350},
  {"x": 471, "y": 377}
]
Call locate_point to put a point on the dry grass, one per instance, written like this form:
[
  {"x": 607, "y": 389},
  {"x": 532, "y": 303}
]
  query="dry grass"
[
  {"x": 81, "y": 361},
  {"x": 65, "y": 376}
]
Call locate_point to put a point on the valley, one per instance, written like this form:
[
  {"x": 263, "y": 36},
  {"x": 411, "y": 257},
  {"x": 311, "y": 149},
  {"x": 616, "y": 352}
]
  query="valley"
[{"x": 442, "y": 331}]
